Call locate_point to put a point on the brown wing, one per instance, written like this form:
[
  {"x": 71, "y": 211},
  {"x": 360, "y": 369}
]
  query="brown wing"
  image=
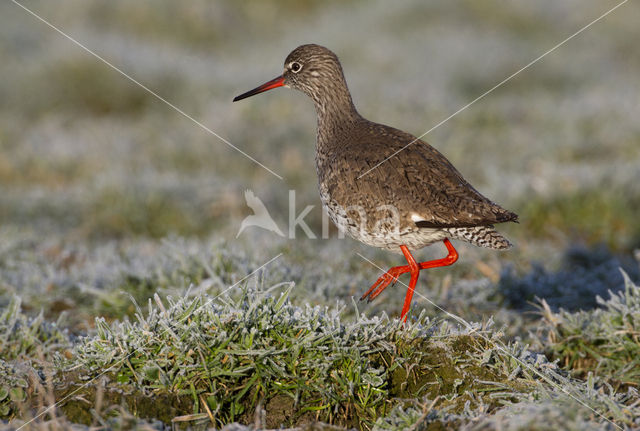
[{"x": 418, "y": 180}]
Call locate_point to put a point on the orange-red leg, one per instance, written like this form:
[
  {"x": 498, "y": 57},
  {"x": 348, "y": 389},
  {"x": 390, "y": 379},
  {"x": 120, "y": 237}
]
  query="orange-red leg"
[
  {"x": 391, "y": 276},
  {"x": 415, "y": 272}
]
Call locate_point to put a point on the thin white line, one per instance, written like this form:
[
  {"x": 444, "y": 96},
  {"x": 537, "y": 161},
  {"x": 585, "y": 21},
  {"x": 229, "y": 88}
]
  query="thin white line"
[
  {"x": 146, "y": 88},
  {"x": 497, "y": 85},
  {"x": 120, "y": 362},
  {"x": 498, "y": 344}
]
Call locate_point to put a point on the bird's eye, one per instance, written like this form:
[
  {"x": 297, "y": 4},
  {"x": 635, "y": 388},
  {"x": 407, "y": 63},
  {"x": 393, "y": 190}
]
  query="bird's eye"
[{"x": 295, "y": 67}]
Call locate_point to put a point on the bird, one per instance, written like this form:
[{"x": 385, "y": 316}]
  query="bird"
[
  {"x": 260, "y": 217},
  {"x": 383, "y": 186}
]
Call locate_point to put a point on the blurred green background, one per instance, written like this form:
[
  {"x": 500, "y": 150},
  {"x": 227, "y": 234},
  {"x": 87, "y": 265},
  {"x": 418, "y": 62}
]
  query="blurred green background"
[{"x": 93, "y": 168}]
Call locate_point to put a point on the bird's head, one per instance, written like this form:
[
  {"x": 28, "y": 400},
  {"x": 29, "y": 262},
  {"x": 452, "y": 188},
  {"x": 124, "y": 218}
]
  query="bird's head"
[{"x": 312, "y": 69}]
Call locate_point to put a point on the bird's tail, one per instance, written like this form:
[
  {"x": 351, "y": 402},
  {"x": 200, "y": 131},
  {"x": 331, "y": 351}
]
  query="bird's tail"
[{"x": 482, "y": 236}]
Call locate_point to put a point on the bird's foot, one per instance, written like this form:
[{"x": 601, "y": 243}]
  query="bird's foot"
[
  {"x": 414, "y": 268},
  {"x": 389, "y": 277}
]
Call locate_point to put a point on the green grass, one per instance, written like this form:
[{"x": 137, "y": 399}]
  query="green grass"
[
  {"x": 24, "y": 337},
  {"x": 593, "y": 216},
  {"x": 603, "y": 341},
  {"x": 230, "y": 355},
  {"x": 25, "y": 342},
  {"x": 300, "y": 363}
]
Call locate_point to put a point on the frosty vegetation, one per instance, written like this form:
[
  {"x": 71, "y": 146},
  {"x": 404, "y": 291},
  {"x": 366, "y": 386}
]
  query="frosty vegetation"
[{"x": 118, "y": 220}]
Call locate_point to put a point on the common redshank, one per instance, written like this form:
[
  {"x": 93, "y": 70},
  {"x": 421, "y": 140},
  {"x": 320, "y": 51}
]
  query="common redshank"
[{"x": 413, "y": 199}]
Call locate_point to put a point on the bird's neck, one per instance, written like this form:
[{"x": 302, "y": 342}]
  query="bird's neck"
[{"x": 336, "y": 114}]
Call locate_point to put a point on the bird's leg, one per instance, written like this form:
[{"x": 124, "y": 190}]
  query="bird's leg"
[
  {"x": 446, "y": 261},
  {"x": 385, "y": 280},
  {"x": 449, "y": 260},
  {"x": 415, "y": 272},
  {"x": 391, "y": 276}
]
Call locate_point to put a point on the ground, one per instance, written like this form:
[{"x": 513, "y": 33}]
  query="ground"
[{"x": 126, "y": 297}]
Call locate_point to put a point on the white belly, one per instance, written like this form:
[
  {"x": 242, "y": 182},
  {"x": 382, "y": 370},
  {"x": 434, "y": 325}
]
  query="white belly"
[{"x": 385, "y": 233}]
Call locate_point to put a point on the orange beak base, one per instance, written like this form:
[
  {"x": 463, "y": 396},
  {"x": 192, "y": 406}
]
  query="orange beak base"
[{"x": 274, "y": 83}]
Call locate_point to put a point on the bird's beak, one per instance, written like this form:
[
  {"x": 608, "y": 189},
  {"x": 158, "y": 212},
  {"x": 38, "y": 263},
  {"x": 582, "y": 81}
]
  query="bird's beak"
[{"x": 274, "y": 83}]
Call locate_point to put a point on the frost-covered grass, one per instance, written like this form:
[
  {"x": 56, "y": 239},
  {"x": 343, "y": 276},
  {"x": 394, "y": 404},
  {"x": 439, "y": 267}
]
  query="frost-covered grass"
[
  {"x": 118, "y": 219},
  {"x": 604, "y": 341},
  {"x": 307, "y": 352},
  {"x": 584, "y": 276},
  {"x": 299, "y": 363},
  {"x": 224, "y": 357}
]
